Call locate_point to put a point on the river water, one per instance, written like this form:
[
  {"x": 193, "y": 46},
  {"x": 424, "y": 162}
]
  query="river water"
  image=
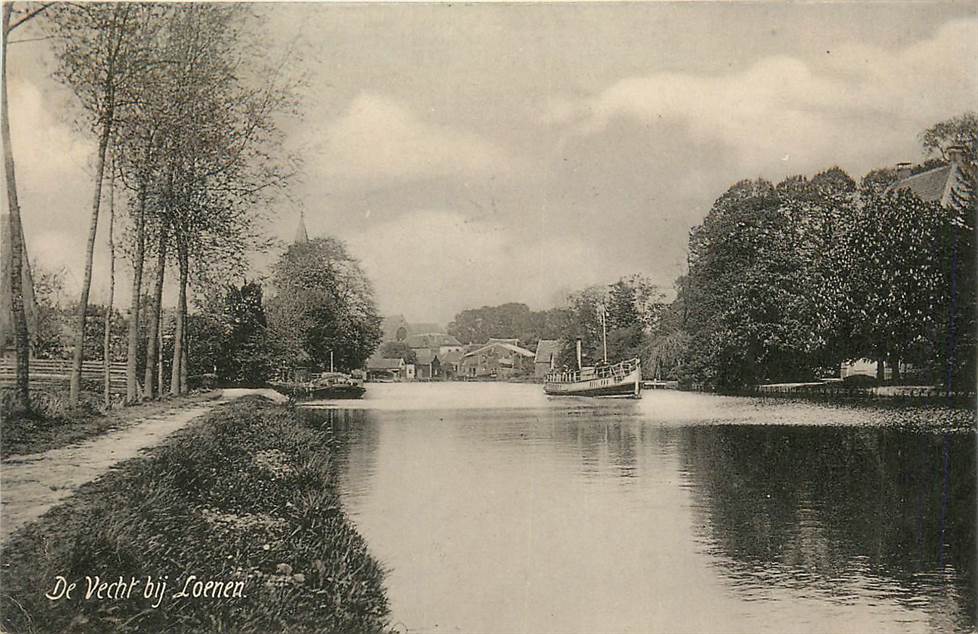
[{"x": 497, "y": 509}]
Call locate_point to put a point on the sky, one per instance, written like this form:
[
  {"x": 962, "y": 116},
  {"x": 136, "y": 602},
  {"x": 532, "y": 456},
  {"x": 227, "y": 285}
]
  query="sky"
[{"x": 477, "y": 154}]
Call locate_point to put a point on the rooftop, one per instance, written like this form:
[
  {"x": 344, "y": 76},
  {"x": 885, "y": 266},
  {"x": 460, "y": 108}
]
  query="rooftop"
[
  {"x": 431, "y": 340},
  {"x": 929, "y": 186},
  {"x": 547, "y": 349},
  {"x": 523, "y": 352}
]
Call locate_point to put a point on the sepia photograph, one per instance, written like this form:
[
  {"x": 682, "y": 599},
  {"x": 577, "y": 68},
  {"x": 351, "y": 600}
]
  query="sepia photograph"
[{"x": 489, "y": 317}]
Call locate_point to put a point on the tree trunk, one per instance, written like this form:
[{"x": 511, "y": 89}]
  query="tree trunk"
[
  {"x": 184, "y": 385},
  {"x": 107, "y": 341},
  {"x": 152, "y": 338},
  {"x": 76, "y": 365},
  {"x": 132, "y": 351},
  {"x": 178, "y": 371},
  {"x": 22, "y": 393},
  {"x": 895, "y": 365},
  {"x": 175, "y": 367},
  {"x": 880, "y": 370}
]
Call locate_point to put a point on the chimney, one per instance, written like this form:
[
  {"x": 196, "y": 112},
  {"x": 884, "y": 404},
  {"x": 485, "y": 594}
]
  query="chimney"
[
  {"x": 955, "y": 155},
  {"x": 902, "y": 170}
]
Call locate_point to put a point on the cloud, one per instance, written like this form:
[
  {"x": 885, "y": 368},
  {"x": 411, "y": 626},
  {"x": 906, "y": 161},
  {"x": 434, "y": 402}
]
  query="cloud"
[
  {"x": 783, "y": 106},
  {"x": 432, "y": 264},
  {"x": 45, "y": 148},
  {"x": 378, "y": 138}
]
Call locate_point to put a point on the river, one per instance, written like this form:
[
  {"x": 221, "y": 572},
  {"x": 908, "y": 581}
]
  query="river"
[{"x": 497, "y": 509}]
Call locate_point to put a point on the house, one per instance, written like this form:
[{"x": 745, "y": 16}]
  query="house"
[
  {"x": 427, "y": 365},
  {"x": 938, "y": 184},
  {"x": 497, "y": 360},
  {"x": 450, "y": 363},
  {"x": 381, "y": 369},
  {"x": 546, "y": 357},
  {"x": 437, "y": 342}
]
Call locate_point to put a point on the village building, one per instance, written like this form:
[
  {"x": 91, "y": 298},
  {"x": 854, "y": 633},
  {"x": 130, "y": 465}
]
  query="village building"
[
  {"x": 497, "y": 360},
  {"x": 427, "y": 364},
  {"x": 437, "y": 342},
  {"x": 939, "y": 184},
  {"x": 546, "y": 357},
  {"x": 382, "y": 369},
  {"x": 450, "y": 363}
]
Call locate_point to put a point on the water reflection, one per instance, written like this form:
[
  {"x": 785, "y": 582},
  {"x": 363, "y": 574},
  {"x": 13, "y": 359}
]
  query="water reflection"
[
  {"x": 632, "y": 516},
  {"x": 840, "y": 512}
]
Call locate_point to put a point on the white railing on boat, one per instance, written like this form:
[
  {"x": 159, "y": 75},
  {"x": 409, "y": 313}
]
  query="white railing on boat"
[{"x": 617, "y": 371}]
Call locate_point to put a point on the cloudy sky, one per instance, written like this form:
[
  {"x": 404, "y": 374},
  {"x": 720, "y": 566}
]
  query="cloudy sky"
[{"x": 486, "y": 153}]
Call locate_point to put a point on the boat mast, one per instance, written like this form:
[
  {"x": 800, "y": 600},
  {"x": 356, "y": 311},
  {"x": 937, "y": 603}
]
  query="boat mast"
[{"x": 604, "y": 332}]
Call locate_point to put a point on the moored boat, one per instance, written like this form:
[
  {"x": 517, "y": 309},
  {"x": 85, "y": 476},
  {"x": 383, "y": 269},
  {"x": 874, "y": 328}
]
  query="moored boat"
[
  {"x": 616, "y": 379},
  {"x": 619, "y": 379},
  {"x": 328, "y": 385}
]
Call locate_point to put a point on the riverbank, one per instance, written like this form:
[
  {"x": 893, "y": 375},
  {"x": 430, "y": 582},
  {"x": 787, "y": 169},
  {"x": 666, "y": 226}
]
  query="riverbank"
[
  {"x": 244, "y": 498},
  {"x": 54, "y": 424}
]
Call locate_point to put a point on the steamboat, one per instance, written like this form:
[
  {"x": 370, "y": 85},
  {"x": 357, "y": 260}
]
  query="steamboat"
[{"x": 619, "y": 379}]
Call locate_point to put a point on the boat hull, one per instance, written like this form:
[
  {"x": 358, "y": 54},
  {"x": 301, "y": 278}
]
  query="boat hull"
[
  {"x": 303, "y": 392},
  {"x": 627, "y": 385}
]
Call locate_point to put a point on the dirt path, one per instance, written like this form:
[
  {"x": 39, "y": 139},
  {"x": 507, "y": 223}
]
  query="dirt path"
[{"x": 31, "y": 484}]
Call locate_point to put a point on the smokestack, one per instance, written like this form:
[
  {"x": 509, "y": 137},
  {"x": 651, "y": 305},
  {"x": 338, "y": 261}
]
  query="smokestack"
[
  {"x": 579, "y": 364},
  {"x": 955, "y": 155},
  {"x": 902, "y": 170}
]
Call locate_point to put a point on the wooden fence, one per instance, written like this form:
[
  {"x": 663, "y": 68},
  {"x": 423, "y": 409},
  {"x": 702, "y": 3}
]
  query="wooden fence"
[{"x": 55, "y": 373}]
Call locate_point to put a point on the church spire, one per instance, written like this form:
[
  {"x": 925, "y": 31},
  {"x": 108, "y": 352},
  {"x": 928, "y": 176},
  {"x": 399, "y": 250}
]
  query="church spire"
[{"x": 300, "y": 232}]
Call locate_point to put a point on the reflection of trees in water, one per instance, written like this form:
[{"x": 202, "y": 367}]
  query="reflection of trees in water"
[
  {"x": 831, "y": 501},
  {"x": 598, "y": 441},
  {"x": 354, "y": 435}
]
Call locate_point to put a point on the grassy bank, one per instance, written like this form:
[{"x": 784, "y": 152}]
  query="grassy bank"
[
  {"x": 53, "y": 423},
  {"x": 245, "y": 497}
]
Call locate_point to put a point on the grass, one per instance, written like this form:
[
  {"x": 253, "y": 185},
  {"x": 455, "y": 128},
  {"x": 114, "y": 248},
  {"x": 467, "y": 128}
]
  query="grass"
[
  {"x": 245, "y": 494},
  {"x": 53, "y": 423}
]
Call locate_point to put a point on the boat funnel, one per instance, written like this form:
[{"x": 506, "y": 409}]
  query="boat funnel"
[{"x": 579, "y": 364}]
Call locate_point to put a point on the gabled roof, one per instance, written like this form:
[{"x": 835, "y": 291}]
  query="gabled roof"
[
  {"x": 514, "y": 341},
  {"x": 547, "y": 349},
  {"x": 930, "y": 186},
  {"x": 377, "y": 362},
  {"x": 523, "y": 352},
  {"x": 431, "y": 340},
  {"x": 425, "y": 355},
  {"x": 452, "y": 356}
]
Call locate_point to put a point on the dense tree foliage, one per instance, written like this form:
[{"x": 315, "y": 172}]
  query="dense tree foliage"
[
  {"x": 323, "y": 306},
  {"x": 509, "y": 321},
  {"x": 787, "y": 281}
]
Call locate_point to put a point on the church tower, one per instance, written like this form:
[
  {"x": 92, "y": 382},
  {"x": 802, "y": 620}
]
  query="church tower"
[{"x": 300, "y": 232}]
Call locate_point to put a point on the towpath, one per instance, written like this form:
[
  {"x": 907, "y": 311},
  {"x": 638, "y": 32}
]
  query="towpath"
[{"x": 31, "y": 484}]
